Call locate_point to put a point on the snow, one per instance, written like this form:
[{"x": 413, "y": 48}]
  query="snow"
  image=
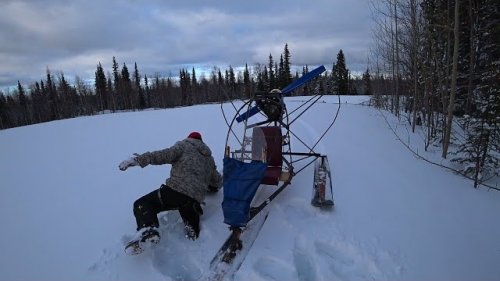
[{"x": 66, "y": 208}]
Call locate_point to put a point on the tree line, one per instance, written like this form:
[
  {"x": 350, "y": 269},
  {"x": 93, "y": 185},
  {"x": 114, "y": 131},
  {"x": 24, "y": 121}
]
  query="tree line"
[
  {"x": 437, "y": 63},
  {"x": 53, "y": 98}
]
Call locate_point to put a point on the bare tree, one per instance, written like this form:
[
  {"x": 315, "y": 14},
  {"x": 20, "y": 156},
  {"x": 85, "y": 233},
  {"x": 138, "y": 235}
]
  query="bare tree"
[{"x": 451, "y": 101}]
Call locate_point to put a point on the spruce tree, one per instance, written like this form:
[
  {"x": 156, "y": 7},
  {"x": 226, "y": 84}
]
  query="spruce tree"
[
  {"x": 4, "y": 119},
  {"x": 265, "y": 80},
  {"x": 23, "y": 103},
  {"x": 111, "y": 93},
  {"x": 232, "y": 81},
  {"x": 305, "y": 89},
  {"x": 126, "y": 87},
  {"x": 281, "y": 74},
  {"x": 117, "y": 92},
  {"x": 194, "y": 87},
  {"x": 101, "y": 88},
  {"x": 184, "y": 83},
  {"x": 287, "y": 66},
  {"x": 272, "y": 75},
  {"x": 367, "y": 83},
  {"x": 141, "y": 100},
  {"x": 260, "y": 81},
  {"x": 147, "y": 92},
  {"x": 479, "y": 153},
  {"x": 246, "y": 82},
  {"x": 341, "y": 74},
  {"x": 53, "y": 98},
  {"x": 67, "y": 96}
]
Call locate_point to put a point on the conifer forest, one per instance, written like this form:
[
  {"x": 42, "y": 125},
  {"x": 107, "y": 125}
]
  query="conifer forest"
[{"x": 433, "y": 63}]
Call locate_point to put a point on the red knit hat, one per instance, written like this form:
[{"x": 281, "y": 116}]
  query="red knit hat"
[{"x": 195, "y": 135}]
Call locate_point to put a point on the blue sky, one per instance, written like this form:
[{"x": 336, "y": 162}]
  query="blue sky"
[{"x": 164, "y": 36}]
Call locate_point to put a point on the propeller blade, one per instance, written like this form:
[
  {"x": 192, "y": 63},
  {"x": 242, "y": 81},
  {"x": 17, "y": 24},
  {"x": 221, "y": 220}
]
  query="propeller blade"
[
  {"x": 249, "y": 113},
  {"x": 304, "y": 79}
]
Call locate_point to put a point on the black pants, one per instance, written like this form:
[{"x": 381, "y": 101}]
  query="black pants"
[{"x": 148, "y": 206}]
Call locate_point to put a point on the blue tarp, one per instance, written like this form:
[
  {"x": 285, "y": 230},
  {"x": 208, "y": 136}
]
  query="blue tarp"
[{"x": 241, "y": 181}]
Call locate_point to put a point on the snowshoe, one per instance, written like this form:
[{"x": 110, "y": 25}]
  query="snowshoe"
[
  {"x": 148, "y": 237},
  {"x": 133, "y": 248},
  {"x": 190, "y": 232}
]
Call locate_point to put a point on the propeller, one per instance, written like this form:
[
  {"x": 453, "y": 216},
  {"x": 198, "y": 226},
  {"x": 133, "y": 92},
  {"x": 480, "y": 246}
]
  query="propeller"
[{"x": 285, "y": 91}]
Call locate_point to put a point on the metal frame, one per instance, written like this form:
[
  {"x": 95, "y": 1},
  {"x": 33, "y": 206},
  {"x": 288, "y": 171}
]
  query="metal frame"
[{"x": 289, "y": 158}]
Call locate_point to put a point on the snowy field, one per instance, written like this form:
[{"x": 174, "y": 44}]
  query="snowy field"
[{"x": 66, "y": 209}]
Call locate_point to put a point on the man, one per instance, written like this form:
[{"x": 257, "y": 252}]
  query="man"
[{"x": 193, "y": 174}]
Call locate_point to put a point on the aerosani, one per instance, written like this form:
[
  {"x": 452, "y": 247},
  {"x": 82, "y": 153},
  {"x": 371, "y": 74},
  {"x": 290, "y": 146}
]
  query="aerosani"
[{"x": 259, "y": 163}]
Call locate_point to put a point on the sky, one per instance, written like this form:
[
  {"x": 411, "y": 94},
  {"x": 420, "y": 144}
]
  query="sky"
[{"x": 163, "y": 36}]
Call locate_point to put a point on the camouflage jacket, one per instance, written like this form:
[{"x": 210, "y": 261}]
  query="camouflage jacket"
[{"x": 193, "y": 167}]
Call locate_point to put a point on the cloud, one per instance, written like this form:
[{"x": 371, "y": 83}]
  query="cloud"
[{"x": 161, "y": 36}]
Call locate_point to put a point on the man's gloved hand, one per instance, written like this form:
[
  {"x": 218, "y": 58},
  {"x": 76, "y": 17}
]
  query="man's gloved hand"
[{"x": 129, "y": 163}]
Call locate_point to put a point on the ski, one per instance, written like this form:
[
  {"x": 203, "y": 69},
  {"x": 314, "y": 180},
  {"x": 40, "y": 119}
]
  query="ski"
[
  {"x": 232, "y": 253},
  {"x": 322, "y": 185}
]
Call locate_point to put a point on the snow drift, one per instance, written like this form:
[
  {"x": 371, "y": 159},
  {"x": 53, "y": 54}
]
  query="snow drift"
[{"x": 66, "y": 209}]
